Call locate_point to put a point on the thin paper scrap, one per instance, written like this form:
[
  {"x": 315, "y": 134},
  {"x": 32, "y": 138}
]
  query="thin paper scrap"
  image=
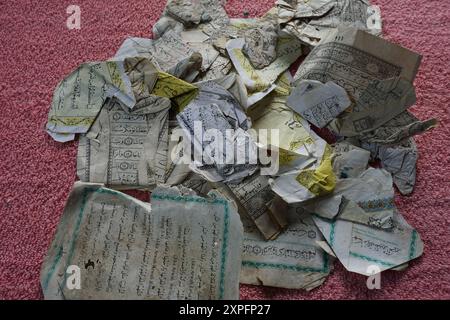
[
  {"x": 321, "y": 180},
  {"x": 359, "y": 247},
  {"x": 176, "y": 170},
  {"x": 400, "y": 160},
  {"x": 313, "y": 181},
  {"x": 129, "y": 249},
  {"x": 288, "y": 50},
  {"x": 367, "y": 199},
  {"x": 294, "y": 260},
  {"x": 349, "y": 161},
  {"x": 399, "y": 128},
  {"x": 318, "y": 103},
  {"x": 187, "y": 12},
  {"x": 126, "y": 148},
  {"x": 295, "y": 143},
  {"x": 79, "y": 97},
  {"x": 381, "y": 101},
  {"x": 193, "y": 13},
  {"x": 233, "y": 83},
  {"x": 180, "y": 91},
  {"x": 198, "y": 184},
  {"x": 199, "y": 42},
  {"x": 260, "y": 44},
  {"x": 218, "y": 69}
]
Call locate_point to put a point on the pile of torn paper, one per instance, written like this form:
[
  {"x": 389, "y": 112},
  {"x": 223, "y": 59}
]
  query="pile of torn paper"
[{"x": 209, "y": 119}]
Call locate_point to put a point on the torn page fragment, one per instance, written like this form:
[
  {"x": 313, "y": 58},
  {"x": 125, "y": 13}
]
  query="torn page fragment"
[
  {"x": 353, "y": 59},
  {"x": 215, "y": 125},
  {"x": 295, "y": 144},
  {"x": 399, "y": 128},
  {"x": 126, "y": 148},
  {"x": 367, "y": 199},
  {"x": 179, "y": 91},
  {"x": 313, "y": 20},
  {"x": 260, "y": 44},
  {"x": 294, "y": 260},
  {"x": 381, "y": 101},
  {"x": 313, "y": 181},
  {"x": 349, "y": 161},
  {"x": 318, "y": 103},
  {"x": 179, "y": 247},
  {"x": 180, "y": 15},
  {"x": 308, "y": 178},
  {"x": 168, "y": 53},
  {"x": 400, "y": 160},
  {"x": 359, "y": 247},
  {"x": 288, "y": 50},
  {"x": 256, "y": 200}
]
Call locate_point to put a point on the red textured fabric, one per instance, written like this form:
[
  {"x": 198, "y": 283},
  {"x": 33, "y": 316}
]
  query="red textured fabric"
[{"x": 37, "y": 51}]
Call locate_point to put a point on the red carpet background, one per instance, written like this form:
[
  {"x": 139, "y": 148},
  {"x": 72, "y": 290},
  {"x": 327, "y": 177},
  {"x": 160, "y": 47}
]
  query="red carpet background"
[{"x": 36, "y": 173}]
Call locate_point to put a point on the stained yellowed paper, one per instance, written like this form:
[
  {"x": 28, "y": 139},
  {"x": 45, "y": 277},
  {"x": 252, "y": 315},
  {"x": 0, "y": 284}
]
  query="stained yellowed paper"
[{"x": 79, "y": 97}]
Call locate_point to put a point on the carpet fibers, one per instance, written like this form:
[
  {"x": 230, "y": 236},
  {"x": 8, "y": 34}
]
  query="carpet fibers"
[{"x": 38, "y": 50}]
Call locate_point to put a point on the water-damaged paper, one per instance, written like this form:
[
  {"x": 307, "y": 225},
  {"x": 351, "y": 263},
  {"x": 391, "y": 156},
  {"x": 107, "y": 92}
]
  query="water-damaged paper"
[
  {"x": 218, "y": 69},
  {"x": 367, "y": 199},
  {"x": 234, "y": 85},
  {"x": 381, "y": 101},
  {"x": 295, "y": 142},
  {"x": 294, "y": 260},
  {"x": 399, "y": 128},
  {"x": 360, "y": 248},
  {"x": 288, "y": 50},
  {"x": 180, "y": 246},
  {"x": 256, "y": 201},
  {"x": 216, "y": 126},
  {"x": 126, "y": 148},
  {"x": 318, "y": 103},
  {"x": 176, "y": 170},
  {"x": 316, "y": 180},
  {"x": 260, "y": 44},
  {"x": 180, "y": 15},
  {"x": 179, "y": 91},
  {"x": 79, "y": 97},
  {"x": 169, "y": 53},
  {"x": 400, "y": 160},
  {"x": 353, "y": 59},
  {"x": 313, "y": 20},
  {"x": 197, "y": 183},
  {"x": 349, "y": 161}
]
